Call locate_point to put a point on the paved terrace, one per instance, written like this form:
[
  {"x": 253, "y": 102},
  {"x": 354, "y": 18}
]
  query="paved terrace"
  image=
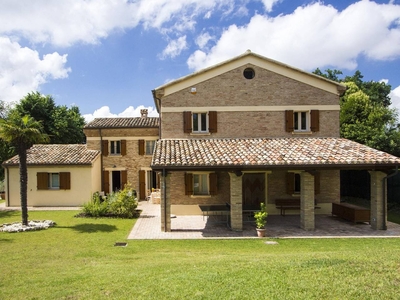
[{"x": 148, "y": 226}]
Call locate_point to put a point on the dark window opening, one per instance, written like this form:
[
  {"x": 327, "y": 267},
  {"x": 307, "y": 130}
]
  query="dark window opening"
[{"x": 249, "y": 73}]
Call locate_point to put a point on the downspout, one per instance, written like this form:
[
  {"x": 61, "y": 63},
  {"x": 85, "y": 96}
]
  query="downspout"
[
  {"x": 8, "y": 188},
  {"x": 384, "y": 184},
  {"x": 157, "y": 102},
  {"x": 165, "y": 200},
  {"x": 101, "y": 161}
]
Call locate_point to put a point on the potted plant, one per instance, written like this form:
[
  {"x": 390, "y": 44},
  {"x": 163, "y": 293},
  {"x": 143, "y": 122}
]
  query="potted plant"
[{"x": 261, "y": 219}]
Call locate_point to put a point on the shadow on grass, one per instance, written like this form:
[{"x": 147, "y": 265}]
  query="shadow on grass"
[
  {"x": 89, "y": 227},
  {"x": 9, "y": 213}
]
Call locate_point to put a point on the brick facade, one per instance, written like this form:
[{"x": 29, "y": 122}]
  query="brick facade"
[{"x": 132, "y": 162}]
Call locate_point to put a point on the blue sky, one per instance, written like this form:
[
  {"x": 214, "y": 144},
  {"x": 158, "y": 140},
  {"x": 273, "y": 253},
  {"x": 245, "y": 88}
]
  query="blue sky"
[{"x": 106, "y": 56}]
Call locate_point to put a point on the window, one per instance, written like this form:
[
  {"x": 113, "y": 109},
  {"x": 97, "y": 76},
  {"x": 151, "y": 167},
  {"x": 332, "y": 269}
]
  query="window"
[
  {"x": 199, "y": 122},
  {"x": 301, "y": 121},
  {"x": 296, "y": 183},
  {"x": 293, "y": 183},
  {"x": 200, "y": 184},
  {"x": 150, "y": 147},
  {"x": 115, "y": 147},
  {"x": 53, "y": 181},
  {"x": 249, "y": 73}
]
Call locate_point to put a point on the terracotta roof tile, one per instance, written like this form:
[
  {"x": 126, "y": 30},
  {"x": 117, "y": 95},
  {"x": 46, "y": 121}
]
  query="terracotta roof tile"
[
  {"x": 77, "y": 154},
  {"x": 267, "y": 152},
  {"x": 138, "y": 122}
]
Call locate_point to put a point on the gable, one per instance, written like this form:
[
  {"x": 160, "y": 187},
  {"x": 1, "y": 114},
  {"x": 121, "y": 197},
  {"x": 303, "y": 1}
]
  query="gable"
[
  {"x": 248, "y": 59},
  {"x": 231, "y": 89}
]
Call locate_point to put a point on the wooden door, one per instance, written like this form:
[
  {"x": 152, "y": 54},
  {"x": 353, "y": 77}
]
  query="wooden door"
[{"x": 253, "y": 191}]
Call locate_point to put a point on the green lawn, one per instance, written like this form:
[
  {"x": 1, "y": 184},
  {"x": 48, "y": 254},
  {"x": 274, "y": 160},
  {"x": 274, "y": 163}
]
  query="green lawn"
[{"x": 77, "y": 260}]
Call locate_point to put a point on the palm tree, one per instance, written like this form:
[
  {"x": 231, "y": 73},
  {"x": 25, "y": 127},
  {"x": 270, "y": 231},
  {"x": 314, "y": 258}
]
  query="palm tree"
[{"x": 22, "y": 132}]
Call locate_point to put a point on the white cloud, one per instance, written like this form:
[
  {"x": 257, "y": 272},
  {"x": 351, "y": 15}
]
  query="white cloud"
[
  {"x": 64, "y": 23},
  {"x": 315, "y": 35},
  {"x": 23, "y": 71},
  {"x": 395, "y": 97},
  {"x": 175, "y": 47},
  {"x": 104, "y": 112},
  {"x": 269, "y": 4},
  {"x": 203, "y": 39}
]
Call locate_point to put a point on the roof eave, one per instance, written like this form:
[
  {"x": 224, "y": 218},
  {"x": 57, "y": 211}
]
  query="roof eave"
[{"x": 376, "y": 167}]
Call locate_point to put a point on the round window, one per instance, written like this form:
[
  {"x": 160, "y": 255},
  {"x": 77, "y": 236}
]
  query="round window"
[{"x": 249, "y": 73}]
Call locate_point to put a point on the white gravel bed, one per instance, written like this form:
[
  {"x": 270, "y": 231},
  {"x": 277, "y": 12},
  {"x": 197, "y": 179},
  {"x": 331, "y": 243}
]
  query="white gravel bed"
[{"x": 32, "y": 225}]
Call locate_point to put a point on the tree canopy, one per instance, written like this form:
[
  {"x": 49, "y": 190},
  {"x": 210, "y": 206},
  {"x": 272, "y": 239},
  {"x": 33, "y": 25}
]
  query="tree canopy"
[
  {"x": 63, "y": 125},
  {"x": 365, "y": 116}
]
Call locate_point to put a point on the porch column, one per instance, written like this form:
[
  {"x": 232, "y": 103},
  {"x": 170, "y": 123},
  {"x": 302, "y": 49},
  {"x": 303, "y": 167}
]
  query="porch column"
[
  {"x": 307, "y": 217},
  {"x": 165, "y": 203},
  {"x": 378, "y": 201},
  {"x": 236, "y": 202}
]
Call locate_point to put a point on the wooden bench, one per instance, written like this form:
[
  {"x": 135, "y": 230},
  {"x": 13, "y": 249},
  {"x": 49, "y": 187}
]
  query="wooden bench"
[
  {"x": 290, "y": 204},
  {"x": 284, "y": 204},
  {"x": 351, "y": 212}
]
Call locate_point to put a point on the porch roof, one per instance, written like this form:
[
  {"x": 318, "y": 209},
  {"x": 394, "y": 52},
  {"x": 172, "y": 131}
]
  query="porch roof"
[{"x": 257, "y": 153}]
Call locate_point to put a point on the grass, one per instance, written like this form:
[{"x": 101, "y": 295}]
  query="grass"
[{"x": 77, "y": 260}]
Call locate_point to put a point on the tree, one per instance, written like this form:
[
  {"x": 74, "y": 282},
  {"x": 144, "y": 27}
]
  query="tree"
[
  {"x": 6, "y": 150},
  {"x": 368, "y": 122},
  {"x": 63, "y": 125},
  {"x": 365, "y": 116},
  {"x": 22, "y": 132}
]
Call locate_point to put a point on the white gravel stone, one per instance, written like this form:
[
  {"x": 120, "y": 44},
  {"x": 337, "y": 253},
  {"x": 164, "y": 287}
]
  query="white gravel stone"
[{"x": 32, "y": 225}]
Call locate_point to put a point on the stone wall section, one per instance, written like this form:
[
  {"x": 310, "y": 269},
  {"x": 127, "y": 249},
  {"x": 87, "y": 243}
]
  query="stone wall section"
[
  {"x": 257, "y": 124},
  {"x": 132, "y": 161}
]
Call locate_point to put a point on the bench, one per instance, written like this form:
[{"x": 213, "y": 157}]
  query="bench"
[
  {"x": 284, "y": 204},
  {"x": 350, "y": 212},
  {"x": 289, "y": 204}
]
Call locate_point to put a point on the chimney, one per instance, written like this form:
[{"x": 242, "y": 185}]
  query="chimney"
[{"x": 144, "y": 113}]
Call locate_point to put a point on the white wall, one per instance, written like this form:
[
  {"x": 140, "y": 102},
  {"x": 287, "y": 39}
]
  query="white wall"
[{"x": 85, "y": 180}]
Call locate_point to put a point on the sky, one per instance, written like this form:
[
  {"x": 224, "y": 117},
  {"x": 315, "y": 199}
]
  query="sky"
[{"x": 105, "y": 56}]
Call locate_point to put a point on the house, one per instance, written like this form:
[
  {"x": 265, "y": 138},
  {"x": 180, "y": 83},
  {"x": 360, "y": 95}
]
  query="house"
[
  {"x": 58, "y": 175},
  {"x": 252, "y": 130},
  {"x": 126, "y": 146},
  {"x": 118, "y": 151}
]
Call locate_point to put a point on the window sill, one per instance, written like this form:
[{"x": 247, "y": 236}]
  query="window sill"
[
  {"x": 200, "y": 133},
  {"x": 302, "y": 132},
  {"x": 296, "y": 195},
  {"x": 200, "y": 196}
]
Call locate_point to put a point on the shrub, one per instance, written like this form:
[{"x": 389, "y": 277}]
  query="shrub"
[
  {"x": 97, "y": 207},
  {"x": 120, "y": 204},
  {"x": 123, "y": 203}
]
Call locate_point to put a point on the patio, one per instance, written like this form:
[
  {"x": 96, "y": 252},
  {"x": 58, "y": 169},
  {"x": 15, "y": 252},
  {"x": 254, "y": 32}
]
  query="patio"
[{"x": 195, "y": 227}]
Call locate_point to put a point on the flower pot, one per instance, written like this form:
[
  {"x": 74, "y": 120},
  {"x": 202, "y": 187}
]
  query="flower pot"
[{"x": 261, "y": 232}]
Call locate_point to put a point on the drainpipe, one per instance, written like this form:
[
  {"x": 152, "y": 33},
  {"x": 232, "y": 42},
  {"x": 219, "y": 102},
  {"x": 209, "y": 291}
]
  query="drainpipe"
[
  {"x": 384, "y": 182},
  {"x": 8, "y": 187},
  {"x": 101, "y": 161},
  {"x": 165, "y": 200}
]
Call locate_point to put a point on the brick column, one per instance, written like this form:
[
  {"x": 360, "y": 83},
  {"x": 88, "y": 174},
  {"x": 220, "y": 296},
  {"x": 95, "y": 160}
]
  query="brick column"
[
  {"x": 307, "y": 216},
  {"x": 165, "y": 202},
  {"x": 378, "y": 201},
  {"x": 236, "y": 202}
]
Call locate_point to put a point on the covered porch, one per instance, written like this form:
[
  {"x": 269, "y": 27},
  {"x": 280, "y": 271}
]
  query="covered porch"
[{"x": 305, "y": 157}]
